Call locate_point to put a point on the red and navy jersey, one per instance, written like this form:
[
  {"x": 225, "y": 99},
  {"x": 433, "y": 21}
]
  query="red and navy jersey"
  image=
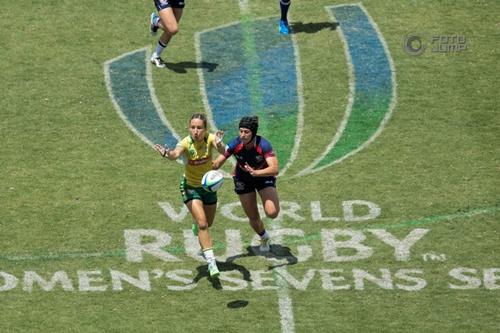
[{"x": 255, "y": 157}]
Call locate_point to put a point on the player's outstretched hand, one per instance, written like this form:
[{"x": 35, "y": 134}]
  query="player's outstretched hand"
[
  {"x": 163, "y": 150},
  {"x": 219, "y": 135}
]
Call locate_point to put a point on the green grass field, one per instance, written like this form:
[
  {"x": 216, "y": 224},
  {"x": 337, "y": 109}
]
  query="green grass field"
[{"x": 399, "y": 236}]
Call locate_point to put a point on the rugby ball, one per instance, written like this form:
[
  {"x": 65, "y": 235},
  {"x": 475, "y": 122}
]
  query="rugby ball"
[{"x": 212, "y": 180}]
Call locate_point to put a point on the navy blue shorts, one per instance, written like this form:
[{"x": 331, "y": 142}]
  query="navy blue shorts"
[
  {"x": 248, "y": 185},
  {"x": 162, "y": 4}
]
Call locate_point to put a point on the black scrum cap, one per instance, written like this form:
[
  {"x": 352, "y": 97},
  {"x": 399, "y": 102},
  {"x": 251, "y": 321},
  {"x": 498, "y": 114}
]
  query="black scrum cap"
[{"x": 252, "y": 123}]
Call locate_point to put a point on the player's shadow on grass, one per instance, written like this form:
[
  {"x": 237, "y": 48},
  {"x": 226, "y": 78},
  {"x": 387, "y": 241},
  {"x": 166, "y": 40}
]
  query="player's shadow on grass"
[
  {"x": 183, "y": 66},
  {"x": 282, "y": 254},
  {"x": 224, "y": 266},
  {"x": 312, "y": 27},
  {"x": 277, "y": 252}
]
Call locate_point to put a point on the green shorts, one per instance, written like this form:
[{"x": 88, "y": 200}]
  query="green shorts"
[{"x": 191, "y": 193}]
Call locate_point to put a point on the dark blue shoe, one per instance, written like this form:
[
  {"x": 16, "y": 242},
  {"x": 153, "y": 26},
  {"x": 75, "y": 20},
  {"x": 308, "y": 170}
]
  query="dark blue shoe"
[{"x": 284, "y": 28}]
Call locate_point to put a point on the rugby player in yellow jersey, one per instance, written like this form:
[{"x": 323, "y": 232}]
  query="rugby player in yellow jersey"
[{"x": 197, "y": 149}]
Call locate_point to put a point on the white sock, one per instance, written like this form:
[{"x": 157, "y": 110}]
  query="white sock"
[
  {"x": 209, "y": 255},
  {"x": 265, "y": 235},
  {"x": 159, "y": 48}
]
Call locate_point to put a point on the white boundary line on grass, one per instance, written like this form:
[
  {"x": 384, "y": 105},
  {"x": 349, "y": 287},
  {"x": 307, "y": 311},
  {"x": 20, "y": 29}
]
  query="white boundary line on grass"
[
  {"x": 300, "y": 115},
  {"x": 284, "y": 300}
]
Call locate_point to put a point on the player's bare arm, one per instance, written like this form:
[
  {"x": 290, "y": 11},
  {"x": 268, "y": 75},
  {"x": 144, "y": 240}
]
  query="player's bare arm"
[
  {"x": 272, "y": 168},
  {"x": 218, "y": 162},
  {"x": 171, "y": 154}
]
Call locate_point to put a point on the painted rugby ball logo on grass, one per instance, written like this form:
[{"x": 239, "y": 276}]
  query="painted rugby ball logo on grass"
[{"x": 258, "y": 73}]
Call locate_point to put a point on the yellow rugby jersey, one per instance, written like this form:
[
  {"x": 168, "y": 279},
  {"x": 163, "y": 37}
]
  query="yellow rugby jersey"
[{"x": 198, "y": 158}]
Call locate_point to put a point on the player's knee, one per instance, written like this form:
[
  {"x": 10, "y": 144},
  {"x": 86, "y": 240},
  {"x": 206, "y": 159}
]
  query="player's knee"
[
  {"x": 272, "y": 209},
  {"x": 272, "y": 213},
  {"x": 203, "y": 226},
  {"x": 172, "y": 30}
]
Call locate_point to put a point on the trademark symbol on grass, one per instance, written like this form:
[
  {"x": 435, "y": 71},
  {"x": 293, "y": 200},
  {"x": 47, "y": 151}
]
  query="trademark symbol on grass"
[
  {"x": 157, "y": 273},
  {"x": 433, "y": 256}
]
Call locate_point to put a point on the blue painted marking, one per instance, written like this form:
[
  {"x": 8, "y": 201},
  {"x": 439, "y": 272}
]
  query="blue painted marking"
[
  {"x": 373, "y": 86},
  {"x": 277, "y": 63},
  {"x": 130, "y": 90},
  {"x": 227, "y": 88},
  {"x": 256, "y": 75},
  {"x": 371, "y": 66}
]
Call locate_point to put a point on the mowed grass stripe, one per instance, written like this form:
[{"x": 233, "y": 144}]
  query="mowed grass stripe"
[{"x": 218, "y": 245}]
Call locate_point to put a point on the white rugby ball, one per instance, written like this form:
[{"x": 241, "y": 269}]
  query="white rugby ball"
[{"x": 212, "y": 180}]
